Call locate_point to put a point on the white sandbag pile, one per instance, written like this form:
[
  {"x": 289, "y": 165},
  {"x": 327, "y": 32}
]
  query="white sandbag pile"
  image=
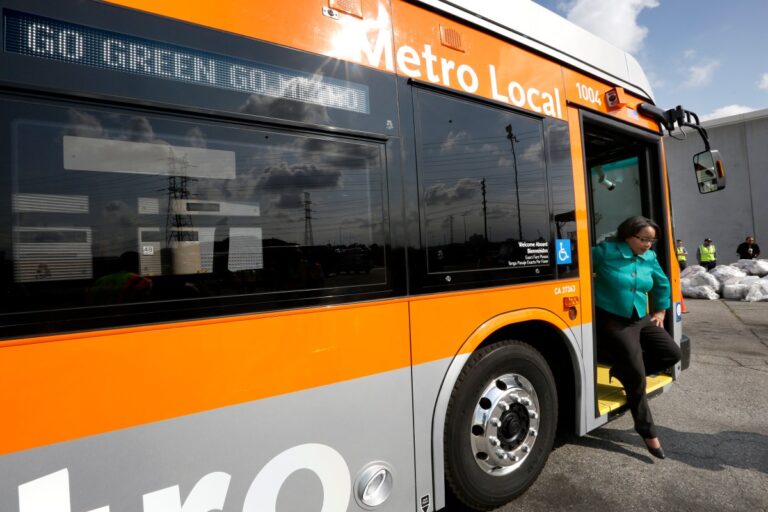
[
  {"x": 753, "y": 267},
  {"x": 697, "y": 283},
  {"x": 692, "y": 270},
  {"x": 738, "y": 289},
  {"x": 740, "y": 281},
  {"x": 725, "y": 273},
  {"x": 758, "y": 292}
]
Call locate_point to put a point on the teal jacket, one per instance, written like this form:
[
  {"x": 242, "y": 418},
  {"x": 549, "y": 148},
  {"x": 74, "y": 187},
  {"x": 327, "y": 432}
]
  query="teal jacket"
[{"x": 623, "y": 280}]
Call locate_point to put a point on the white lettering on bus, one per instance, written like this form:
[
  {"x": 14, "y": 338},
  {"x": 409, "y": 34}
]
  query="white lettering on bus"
[
  {"x": 138, "y": 57},
  {"x": 447, "y": 65},
  {"x": 205, "y": 71},
  {"x": 40, "y": 39},
  {"x": 495, "y": 86},
  {"x": 70, "y": 45},
  {"x": 430, "y": 59},
  {"x": 51, "y": 493},
  {"x": 461, "y": 74},
  {"x": 48, "y": 494},
  {"x": 407, "y": 56},
  {"x": 382, "y": 47},
  {"x": 44, "y": 39},
  {"x": 438, "y": 69},
  {"x": 533, "y": 92},
  {"x": 409, "y": 62},
  {"x": 208, "y": 494},
  {"x": 183, "y": 66},
  {"x": 157, "y": 61},
  {"x": 589, "y": 94},
  {"x": 324, "y": 461},
  {"x": 163, "y": 62},
  {"x": 113, "y": 53},
  {"x": 552, "y": 105},
  {"x": 517, "y": 95},
  {"x": 67, "y": 44},
  {"x": 238, "y": 78}
]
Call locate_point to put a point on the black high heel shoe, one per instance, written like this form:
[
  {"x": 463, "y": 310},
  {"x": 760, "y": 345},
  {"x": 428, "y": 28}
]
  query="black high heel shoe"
[{"x": 656, "y": 452}]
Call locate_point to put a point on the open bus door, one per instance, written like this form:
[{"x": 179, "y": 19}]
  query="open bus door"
[{"x": 624, "y": 178}]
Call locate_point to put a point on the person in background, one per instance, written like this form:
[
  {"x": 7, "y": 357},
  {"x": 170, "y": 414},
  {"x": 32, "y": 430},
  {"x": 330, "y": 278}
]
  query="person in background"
[
  {"x": 682, "y": 255},
  {"x": 707, "y": 254},
  {"x": 748, "y": 249},
  {"x": 632, "y": 340}
]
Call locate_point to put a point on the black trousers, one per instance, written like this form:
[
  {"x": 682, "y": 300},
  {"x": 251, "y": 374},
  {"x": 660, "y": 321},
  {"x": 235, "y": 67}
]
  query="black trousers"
[{"x": 635, "y": 347}]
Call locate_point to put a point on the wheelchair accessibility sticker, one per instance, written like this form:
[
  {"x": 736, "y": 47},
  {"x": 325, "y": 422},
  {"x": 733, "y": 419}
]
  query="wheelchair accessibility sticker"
[{"x": 563, "y": 251}]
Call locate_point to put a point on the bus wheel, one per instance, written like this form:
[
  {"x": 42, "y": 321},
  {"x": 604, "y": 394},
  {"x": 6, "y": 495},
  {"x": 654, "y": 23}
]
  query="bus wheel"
[{"x": 500, "y": 424}]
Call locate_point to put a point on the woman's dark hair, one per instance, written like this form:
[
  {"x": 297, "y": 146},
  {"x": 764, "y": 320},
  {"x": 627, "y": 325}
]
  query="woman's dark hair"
[{"x": 633, "y": 225}]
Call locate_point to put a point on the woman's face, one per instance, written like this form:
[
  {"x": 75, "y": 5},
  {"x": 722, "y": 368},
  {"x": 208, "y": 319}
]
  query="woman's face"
[{"x": 642, "y": 240}]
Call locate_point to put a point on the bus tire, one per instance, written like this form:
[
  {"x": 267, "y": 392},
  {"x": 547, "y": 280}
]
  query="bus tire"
[{"x": 500, "y": 424}]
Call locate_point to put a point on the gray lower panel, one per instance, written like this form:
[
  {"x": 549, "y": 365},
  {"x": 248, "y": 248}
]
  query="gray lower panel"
[
  {"x": 297, "y": 452},
  {"x": 429, "y": 379}
]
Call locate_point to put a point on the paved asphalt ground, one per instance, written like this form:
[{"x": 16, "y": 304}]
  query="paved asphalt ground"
[{"x": 713, "y": 425}]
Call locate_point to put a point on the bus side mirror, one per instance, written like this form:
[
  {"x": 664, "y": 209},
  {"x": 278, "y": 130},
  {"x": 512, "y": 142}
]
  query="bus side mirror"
[{"x": 710, "y": 171}]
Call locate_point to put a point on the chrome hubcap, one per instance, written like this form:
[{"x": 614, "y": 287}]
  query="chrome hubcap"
[{"x": 505, "y": 424}]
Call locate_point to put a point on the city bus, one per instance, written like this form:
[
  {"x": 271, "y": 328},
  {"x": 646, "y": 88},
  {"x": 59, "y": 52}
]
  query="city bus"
[{"x": 316, "y": 255}]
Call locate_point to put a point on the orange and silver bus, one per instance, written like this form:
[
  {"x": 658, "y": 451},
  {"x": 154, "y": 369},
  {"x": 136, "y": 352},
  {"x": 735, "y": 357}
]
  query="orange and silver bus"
[{"x": 309, "y": 255}]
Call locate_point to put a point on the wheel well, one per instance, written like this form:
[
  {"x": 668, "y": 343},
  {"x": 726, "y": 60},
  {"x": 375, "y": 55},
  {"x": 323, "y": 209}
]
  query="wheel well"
[{"x": 554, "y": 346}]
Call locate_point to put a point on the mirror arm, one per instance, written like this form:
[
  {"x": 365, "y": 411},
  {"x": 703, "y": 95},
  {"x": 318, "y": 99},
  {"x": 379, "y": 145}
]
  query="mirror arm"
[
  {"x": 662, "y": 116},
  {"x": 701, "y": 131},
  {"x": 677, "y": 115}
]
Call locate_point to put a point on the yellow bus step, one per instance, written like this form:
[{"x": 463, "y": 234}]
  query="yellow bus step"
[{"x": 611, "y": 396}]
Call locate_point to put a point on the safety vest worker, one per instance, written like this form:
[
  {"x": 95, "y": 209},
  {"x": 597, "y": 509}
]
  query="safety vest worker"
[
  {"x": 708, "y": 254},
  {"x": 682, "y": 255}
]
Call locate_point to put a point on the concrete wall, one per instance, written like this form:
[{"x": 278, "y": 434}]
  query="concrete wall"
[{"x": 729, "y": 215}]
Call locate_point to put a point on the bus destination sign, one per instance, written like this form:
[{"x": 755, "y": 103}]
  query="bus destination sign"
[{"x": 37, "y": 36}]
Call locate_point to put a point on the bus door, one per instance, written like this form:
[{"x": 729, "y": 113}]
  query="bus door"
[{"x": 624, "y": 178}]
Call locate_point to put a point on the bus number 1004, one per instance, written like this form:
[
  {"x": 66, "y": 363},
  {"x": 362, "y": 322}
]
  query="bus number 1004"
[{"x": 589, "y": 94}]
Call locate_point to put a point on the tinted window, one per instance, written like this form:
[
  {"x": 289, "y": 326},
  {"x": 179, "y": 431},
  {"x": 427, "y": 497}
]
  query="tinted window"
[
  {"x": 483, "y": 188},
  {"x": 116, "y": 207},
  {"x": 561, "y": 187},
  {"x": 611, "y": 209}
]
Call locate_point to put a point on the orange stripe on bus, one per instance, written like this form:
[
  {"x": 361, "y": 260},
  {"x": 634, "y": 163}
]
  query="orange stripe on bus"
[
  {"x": 441, "y": 324},
  {"x": 65, "y": 390}
]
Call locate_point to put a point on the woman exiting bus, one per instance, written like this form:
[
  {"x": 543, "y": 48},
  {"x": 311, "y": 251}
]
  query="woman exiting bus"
[{"x": 632, "y": 340}]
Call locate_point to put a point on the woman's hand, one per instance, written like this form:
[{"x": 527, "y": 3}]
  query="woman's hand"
[{"x": 658, "y": 318}]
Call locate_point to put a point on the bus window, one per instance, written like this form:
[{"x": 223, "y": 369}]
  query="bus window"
[
  {"x": 483, "y": 176},
  {"x": 560, "y": 171},
  {"x": 616, "y": 194},
  {"x": 120, "y": 207},
  {"x": 618, "y": 178}
]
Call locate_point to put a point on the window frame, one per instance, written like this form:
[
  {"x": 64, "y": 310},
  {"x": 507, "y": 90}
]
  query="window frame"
[
  {"x": 422, "y": 281},
  {"x": 24, "y": 323}
]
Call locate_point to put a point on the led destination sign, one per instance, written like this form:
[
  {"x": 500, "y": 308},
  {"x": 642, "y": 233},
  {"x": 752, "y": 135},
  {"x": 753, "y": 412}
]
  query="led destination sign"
[{"x": 51, "y": 39}]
